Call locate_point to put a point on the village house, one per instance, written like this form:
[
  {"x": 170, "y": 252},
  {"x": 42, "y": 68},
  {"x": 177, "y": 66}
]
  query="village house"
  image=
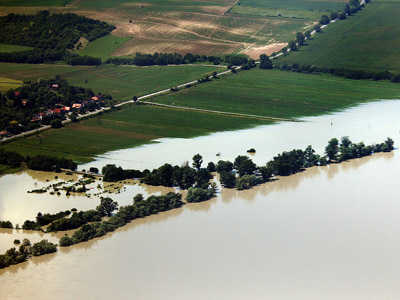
[
  {"x": 4, "y": 133},
  {"x": 77, "y": 106}
]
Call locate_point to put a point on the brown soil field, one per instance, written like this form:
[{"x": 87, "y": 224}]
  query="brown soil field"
[
  {"x": 149, "y": 45},
  {"x": 205, "y": 31}
]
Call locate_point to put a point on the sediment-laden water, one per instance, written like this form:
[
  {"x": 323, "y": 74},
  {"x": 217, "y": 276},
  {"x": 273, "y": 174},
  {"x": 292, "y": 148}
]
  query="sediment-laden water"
[{"x": 326, "y": 233}]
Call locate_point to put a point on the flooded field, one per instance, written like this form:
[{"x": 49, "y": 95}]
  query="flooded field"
[{"x": 326, "y": 233}]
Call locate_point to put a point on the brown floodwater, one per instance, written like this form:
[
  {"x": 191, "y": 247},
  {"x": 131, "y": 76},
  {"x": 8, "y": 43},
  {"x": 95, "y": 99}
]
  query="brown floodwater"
[{"x": 326, "y": 233}]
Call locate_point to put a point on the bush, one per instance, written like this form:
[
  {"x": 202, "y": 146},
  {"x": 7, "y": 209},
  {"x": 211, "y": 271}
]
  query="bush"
[
  {"x": 43, "y": 247},
  {"x": 247, "y": 181},
  {"x": 65, "y": 241},
  {"x": 199, "y": 195}
]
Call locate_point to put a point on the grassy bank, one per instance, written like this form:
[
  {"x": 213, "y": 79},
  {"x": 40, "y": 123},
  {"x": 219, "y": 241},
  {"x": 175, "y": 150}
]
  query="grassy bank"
[
  {"x": 277, "y": 93},
  {"x": 368, "y": 41},
  {"x": 122, "y": 82}
]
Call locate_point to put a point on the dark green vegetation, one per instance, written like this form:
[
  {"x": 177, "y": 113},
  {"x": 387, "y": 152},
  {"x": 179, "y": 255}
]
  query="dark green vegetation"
[
  {"x": 60, "y": 222},
  {"x": 366, "y": 41},
  {"x": 25, "y": 250},
  {"x": 122, "y": 82},
  {"x": 41, "y": 102},
  {"x": 177, "y": 59},
  {"x": 75, "y": 221},
  {"x": 255, "y": 92},
  {"x": 6, "y": 224},
  {"x": 39, "y": 162},
  {"x": 196, "y": 194},
  {"x": 50, "y": 35},
  {"x": 113, "y": 174},
  {"x": 139, "y": 209},
  {"x": 45, "y": 219},
  {"x": 45, "y": 31},
  {"x": 196, "y": 179},
  {"x": 294, "y": 161}
]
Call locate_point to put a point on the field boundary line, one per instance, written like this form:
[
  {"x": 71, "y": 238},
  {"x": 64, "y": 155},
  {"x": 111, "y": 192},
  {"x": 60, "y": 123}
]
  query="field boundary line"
[{"x": 219, "y": 112}]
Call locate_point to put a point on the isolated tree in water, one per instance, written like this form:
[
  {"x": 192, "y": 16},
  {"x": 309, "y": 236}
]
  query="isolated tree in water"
[
  {"x": 107, "y": 206},
  {"x": 197, "y": 161}
]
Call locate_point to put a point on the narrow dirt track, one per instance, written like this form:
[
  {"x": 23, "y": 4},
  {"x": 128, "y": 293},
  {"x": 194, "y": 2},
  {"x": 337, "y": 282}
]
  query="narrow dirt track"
[{"x": 218, "y": 112}]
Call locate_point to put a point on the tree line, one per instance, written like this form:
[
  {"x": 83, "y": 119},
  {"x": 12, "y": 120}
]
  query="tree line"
[
  {"x": 350, "y": 8},
  {"x": 163, "y": 59},
  {"x": 243, "y": 173},
  {"x": 39, "y": 162},
  {"x": 342, "y": 72},
  {"x": 139, "y": 209}
]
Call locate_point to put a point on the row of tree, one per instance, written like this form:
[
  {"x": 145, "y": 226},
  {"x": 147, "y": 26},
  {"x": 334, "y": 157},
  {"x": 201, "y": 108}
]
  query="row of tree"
[
  {"x": 342, "y": 72},
  {"x": 163, "y": 59},
  {"x": 39, "y": 162},
  {"x": 139, "y": 209},
  {"x": 60, "y": 222},
  {"x": 244, "y": 173},
  {"x": 351, "y": 8}
]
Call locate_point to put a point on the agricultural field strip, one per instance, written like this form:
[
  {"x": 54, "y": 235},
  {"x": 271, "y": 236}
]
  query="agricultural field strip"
[
  {"x": 194, "y": 33},
  {"x": 27, "y": 133}
]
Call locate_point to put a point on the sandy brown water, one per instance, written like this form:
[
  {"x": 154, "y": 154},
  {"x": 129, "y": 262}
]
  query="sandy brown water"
[{"x": 326, "y": 233}]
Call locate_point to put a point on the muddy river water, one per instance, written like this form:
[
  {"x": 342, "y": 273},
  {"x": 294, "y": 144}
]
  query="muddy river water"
[{"x": 327, "y": 233}]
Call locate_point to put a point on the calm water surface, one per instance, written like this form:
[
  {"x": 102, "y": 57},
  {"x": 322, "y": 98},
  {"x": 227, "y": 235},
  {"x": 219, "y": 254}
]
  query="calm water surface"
[{"x": 327, "y": 233}]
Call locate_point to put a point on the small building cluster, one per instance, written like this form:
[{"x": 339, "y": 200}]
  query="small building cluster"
[{"x": 60, "y": 110}]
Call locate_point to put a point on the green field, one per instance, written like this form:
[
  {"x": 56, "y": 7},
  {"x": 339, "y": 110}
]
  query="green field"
[
  {"x": 13, "y": 48},
  {"x": 150, "y": 5},
  {"x": 102, "y": 47},
  {"x": 122, "y": 82},
  {"x": 288, "y": 8},
  {"x": 367, "y": 41},
  {"x": 277, "y": 93},
  {"x": 6, "y": 84},
  {"x": 252, "y": 92},
  {"x": 34, "y": 2},
  {"x": 132, "y": 126}
]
